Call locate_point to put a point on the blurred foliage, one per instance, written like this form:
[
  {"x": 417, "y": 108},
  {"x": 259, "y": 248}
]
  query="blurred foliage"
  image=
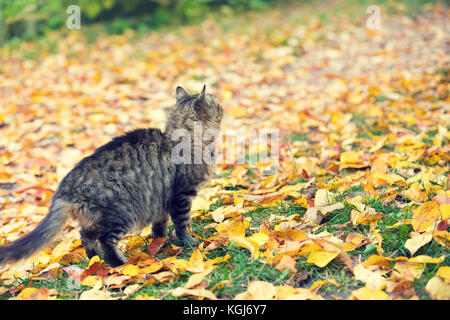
[{"x": 26, "y": 19}]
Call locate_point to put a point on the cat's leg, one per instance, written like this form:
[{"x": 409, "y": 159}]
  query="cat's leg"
[
  {"x": 103, "y": 245},
  {"x": 180, "y": 213},
  {"x": 110, "y": 251},
  {"x": 113, "y": 227},
  {"x": 89, "y": 240},
  {"x": 159, "y": 228}
]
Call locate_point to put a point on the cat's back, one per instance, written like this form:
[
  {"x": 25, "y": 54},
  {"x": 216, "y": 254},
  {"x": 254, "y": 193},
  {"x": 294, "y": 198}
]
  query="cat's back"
[
  {"x": 133, "y": 148},
  {"x": 137, "y": 140},
  {"x": 128, "y": 159}
]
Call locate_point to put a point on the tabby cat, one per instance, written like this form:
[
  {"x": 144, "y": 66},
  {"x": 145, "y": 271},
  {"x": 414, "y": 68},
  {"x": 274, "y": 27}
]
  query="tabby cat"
[{"x": 127, "y": 184}]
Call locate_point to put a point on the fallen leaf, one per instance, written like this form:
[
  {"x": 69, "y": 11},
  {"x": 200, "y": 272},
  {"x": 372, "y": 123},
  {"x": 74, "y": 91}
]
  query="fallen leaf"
[
  {"x": 373, "y": 279},
  {"x": 155, "y": 245},
  {"x": 196, "y": 279},
  {"x": 197, "y": 293},
  {"x": 36, "y": 294},
  {"x": 317, "y": 213},
  {"x": 321, "y": 258},
  {"x": 438, "y": 289},
  {"x": 416, "y": 241},
  {"x": 319, "y": 283},
  {"x": 366, "y": 293},
  {"x": 286, "y": 262},
  {"x": 425, "y": 216},
  {"x": 258, "y": 290}
]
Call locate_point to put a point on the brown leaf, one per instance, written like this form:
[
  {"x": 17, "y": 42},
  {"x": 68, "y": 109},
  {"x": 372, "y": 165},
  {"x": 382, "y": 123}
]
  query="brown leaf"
[
  {"x": 99, "y": 268},
  {"x": 155, "y": 245}
]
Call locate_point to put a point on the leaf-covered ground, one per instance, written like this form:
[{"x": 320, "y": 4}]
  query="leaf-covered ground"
[{"x": 358, "y": 208}]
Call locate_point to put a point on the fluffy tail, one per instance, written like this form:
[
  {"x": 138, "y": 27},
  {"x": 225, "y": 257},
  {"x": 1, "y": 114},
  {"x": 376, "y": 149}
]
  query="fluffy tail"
[{"x": 49, "y": 227}]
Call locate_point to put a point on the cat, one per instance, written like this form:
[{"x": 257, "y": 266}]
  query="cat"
[{"x": 127, "y": 184}]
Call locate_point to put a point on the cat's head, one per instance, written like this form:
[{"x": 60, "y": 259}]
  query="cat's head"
[{"x": 202, "y": 107}]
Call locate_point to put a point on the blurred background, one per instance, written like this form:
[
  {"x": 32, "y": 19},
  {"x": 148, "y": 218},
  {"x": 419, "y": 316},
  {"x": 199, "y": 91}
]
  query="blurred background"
[
  {"x": 28, "y": 19},
  {"x": 31, "y": 18}
]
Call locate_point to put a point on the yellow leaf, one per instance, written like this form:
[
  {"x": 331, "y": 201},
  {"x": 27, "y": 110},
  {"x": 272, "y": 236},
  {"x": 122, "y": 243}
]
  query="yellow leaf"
[
  {"x": 380, "y": 143},
  {"x": 321, "y": 258},
  {"x": 427, "y": 259},
  {"x": 259, "y": 238},
  {"x": 409, "y": 270},
  {"x": 196, "y": 257},
  {"x": 200, "y": 204},
  {"x": 197, "y": 278},
  {"x": 199, "y": 293},
  {"x": 377, "y": 260},
  {"x": 352, "y": 159},
  {"x": 35, "y": 294},
  {"x": 289, "y": 293},
  {"x": 234, "y": 227},
  {"x": 135, "y": 245},
  {"x": 366, "y": 293},
  {"x": 366, "y": 217},
  {"x": 302, "y": 201},
  {"x": 357, "y": 202},
  {"x": 438, "y": 289},
  {"x": 145, "y": 296},
  {"x": 415, "y": 193},
  {"x": 351, "y": 156},
  {"x": 445, "y": 211},
  {"x": 154, "y": 267},
  {"x": 324, "y": 197},
  {"x": 65, "y": 247},
  {"x": 221, "y": 213},
  {"x": 176, "y": 265},
  {"x": 95, "y": 294},
  {"x": 91, "y": 280},
  {"x": 444, "y": 273},
  {"x": 353, "y": 241},
  {"x": 163, "y": 276},
  {"x": 425, "y": 216},
  {"x": 246, "y": 243},
  {"x": 11, "y": 227},
  {"x": 41, "y": 259},
  {"x": 399, "y": 223},
  {"x": 258, "y": 290},
  {"x": 416, "y": 241},
  {"x": 131, "y": 289},
  {"x": 219, "y": 285},
  {"x": 54, "y": 265},
  {"x": 218, "y": 215},
  {"x": 317, "y": 213},
  {"x": 296, "y": 187},
  {"x": 378, "y": 237},
  {"x": 373, "y": 279},
  {"x": 131, "y": 270},
  {"x": 319, "y": 283},
  {"x": 115, "y": 281},
  {"x": 93, "y": 260}
]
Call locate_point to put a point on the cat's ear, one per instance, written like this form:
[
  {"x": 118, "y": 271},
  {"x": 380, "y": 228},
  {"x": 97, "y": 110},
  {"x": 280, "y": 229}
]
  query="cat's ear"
[
  {"x": 180, "y": 93},
  {"x": 201, "y": 97}
]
